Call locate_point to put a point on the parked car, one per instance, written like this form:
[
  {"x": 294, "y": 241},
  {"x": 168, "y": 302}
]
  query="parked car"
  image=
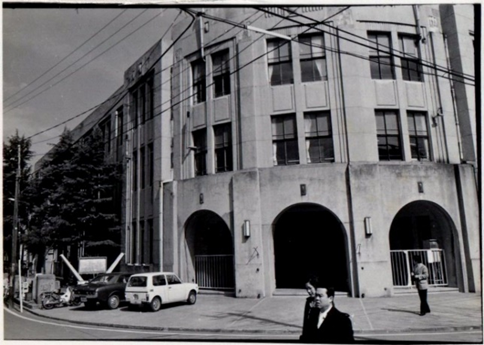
[
  {"x": 157, "y": 288},
  {"x": 108, "y": 289}
]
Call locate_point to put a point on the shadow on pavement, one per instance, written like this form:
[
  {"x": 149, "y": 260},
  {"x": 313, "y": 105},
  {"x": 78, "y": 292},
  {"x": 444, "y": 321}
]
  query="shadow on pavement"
[{"x": 403, "y": 311}]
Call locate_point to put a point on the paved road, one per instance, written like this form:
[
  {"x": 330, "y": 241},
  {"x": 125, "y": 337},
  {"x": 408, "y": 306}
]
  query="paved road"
[{"x": 26, "y": 326}]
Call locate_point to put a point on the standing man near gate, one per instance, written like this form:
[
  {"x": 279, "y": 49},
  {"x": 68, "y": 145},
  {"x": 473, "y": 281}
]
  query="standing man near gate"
[{"x": 420, "y": 275}]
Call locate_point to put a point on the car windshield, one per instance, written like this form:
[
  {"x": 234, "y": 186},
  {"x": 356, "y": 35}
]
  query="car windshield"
[
  {"x": 104, "y": 279},
  {"x": 137, "y": 281}
]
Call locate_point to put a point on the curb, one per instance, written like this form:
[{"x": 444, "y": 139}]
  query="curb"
[{"x": 257, "y": 331}]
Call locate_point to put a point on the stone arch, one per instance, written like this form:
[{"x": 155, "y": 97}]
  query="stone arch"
[{"x": 309, "y": 240}]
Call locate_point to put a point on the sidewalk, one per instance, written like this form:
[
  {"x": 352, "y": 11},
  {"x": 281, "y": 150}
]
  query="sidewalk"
[{"x": 283, "y": 314}]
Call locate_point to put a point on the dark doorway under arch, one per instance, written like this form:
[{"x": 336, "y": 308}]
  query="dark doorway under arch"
[
  {"x": 310, "y": 240},
  {"x": 417, "y": 229},
  {"x": 211, "y": 249}
]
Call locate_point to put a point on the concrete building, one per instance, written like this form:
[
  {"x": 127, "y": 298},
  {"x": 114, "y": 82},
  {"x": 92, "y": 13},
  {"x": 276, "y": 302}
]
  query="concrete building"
[{"x": 336, "y": 141}]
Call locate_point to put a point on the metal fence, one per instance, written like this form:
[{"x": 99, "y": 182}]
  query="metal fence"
[
  {"x": 215, "y": 271},
  {"x": 432, "y": 258}
]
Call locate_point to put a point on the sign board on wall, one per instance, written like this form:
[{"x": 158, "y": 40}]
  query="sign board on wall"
[{"x": 92, "y": 265}]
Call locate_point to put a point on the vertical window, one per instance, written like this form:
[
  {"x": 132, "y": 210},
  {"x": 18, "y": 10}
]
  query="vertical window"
[
  {"x": 142, "y": 167},
  {"x": 134, "y": 244},
  {"x": 411, "y": 67},
  {"x": 134, "y": 109},
  {"x": 221, "y": 73},
  {"x": 419, "y": 135},
  {"x": 381, "y": 62},
  {"x": 198, "y": 77},
  {"x": 150, "y": 241},
  {"x": 142, "y": 104},
  {"x": 223, "y": 147},
  {"x": 388, "y": 135},
  {"x": 150, "y": 98},
  {"x": 312, "y": 58},
  {"x": 280, "y": 62},
  {"x": 284, "y": 140},
  {"x": 105, "y": 128},
  {"x": 151, "y": 165},
  {"x": 135, "y": 171},
  {"x": 200, "y": 142},
  {"x": 319, "y": 139},
  {"x": 142, "y": 241},
  {"x": 119, "y": 133}
]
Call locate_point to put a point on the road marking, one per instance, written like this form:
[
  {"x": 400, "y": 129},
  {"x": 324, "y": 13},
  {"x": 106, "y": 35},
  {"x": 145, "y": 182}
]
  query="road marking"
[
  {"x": 366, "y": 314},
  {"x": 143, "y": 331},
  {"x": 247, "y": 312}
]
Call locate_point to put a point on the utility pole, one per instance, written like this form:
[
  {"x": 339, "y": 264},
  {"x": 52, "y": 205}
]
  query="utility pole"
[{"x": 15, "y": 231}]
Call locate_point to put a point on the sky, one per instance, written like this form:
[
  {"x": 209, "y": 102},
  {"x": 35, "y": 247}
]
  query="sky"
[{"x": 37, "y": 39}]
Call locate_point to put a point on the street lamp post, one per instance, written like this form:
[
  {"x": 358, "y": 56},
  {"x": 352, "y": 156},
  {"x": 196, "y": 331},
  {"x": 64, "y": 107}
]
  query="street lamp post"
[{"x": 13, "y": 258}]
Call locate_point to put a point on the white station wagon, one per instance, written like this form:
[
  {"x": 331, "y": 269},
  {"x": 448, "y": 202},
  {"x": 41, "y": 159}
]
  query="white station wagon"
[{"x": 157, "y": 288}]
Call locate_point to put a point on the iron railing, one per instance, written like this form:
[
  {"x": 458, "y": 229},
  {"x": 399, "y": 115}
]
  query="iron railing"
[
  {"x": 215, "y": 271},
  {"x": 432, "y": 258}
]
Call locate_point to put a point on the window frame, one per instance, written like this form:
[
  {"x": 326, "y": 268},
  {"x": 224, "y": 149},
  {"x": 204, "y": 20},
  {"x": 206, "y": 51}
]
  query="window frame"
[
  {"x": 319, "y": 136},
  {"x": 313, "y": 57},
  {"x": 386, "y": 135},
  {"x": 199, "y": 81},
  {"x": 199, "y": 138},
  {"x": 287, "y": 139},
  {"x": 408, "y": 74},
  {"x": 411, "y": 115},
  {"x": 277, "y": 63},
  {"x": 221, "y": 74},
  {"x": 377, "y": 55},
  {"x": 225, "y": 148}
]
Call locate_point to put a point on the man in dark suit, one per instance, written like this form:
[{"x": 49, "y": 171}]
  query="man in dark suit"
[{"x": 325, "y": 323}]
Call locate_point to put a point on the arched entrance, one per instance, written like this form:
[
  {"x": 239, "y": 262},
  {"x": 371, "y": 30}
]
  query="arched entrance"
[
  {"x": 211, "y": 248},
  {"x": 424, "y": 229},
  {"x": 310, "y": 240}
]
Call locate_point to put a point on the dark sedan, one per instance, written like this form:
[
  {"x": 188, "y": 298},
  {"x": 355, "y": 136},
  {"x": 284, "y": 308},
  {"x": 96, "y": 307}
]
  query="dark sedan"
[{"x": 108, "y": 289}]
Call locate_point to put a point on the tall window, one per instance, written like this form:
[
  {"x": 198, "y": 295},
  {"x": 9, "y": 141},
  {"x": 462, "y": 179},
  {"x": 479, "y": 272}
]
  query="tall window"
[
  {"x": 319, "y": 139},
  {"x": 388, "y": 135},
  {"x": 284, "y": 140},
  {"x": 200, "y": 142},
  {"x": 312, "y": 58},
  {"x": 280, "y": 62},
  {"x": 135, "y": 170},
  {"x": 198, "y": 77},
  {"x": 221, "y": 73},
  {"x": 142, "y": 165},
  {"x": 119, "y": 132},
  {"x": 134, "y": 244},
  {"x": 223, "y": 147},
  {"x": 411, "y": 66},
  {"x": 142, "y": 241},
  {"x": 134, "y": 108},
  {"x": 151, "y": 165},
  {"x": 150, "y": 241},
  {"x": 142, "y": 96},
  {"x": 105, "y": 128},
  {"x": 381, "y": 63},
  {"x": 419, "y": 135}
]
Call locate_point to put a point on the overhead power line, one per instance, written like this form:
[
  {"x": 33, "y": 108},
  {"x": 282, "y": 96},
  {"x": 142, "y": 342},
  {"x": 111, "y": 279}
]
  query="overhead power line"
[
  {"x": 67, "y": 56},
  {"x": 85, "y": 64}
]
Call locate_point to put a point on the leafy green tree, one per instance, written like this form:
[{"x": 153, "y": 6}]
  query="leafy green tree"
[
  {"x": 10, "y": 168},
  {"x": 74, "y": 207}
]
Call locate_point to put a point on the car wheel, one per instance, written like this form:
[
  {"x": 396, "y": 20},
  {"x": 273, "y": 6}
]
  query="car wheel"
[
  {"x": 48, "y": 303},
  {"x": 192, "y": 297},
  {"x": 90, "y": 304},
  {"x": 155, "y": 304},
  {"x": 113, "y": 302}
]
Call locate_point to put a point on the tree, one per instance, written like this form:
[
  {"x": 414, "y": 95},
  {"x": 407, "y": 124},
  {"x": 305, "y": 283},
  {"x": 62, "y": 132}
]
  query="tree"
[
  {"x": 74, "y": 207},
  {"x": 10, "y": 167}
]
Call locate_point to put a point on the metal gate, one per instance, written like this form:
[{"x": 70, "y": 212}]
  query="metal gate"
[
  {"x": 215, "y": 271},
  {"x": 432, "y": 258}
]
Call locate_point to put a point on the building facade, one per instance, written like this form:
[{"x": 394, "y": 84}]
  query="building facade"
[{"x": 335, "y": 141}]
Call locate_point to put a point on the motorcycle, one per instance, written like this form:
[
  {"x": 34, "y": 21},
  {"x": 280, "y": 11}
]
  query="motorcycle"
[{"x": 51, "y": 299}]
